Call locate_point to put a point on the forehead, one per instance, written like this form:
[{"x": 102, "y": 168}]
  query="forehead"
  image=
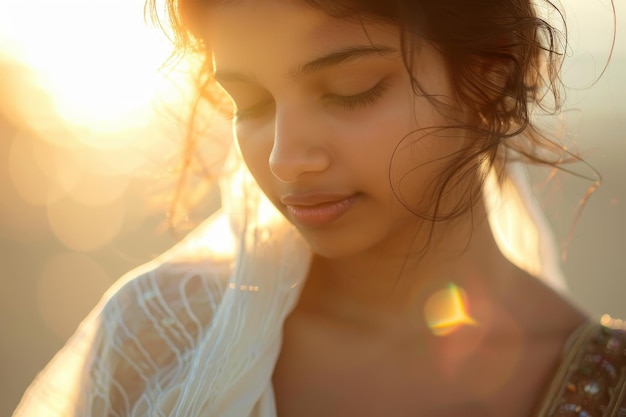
[{"x": 241, "y": 33}]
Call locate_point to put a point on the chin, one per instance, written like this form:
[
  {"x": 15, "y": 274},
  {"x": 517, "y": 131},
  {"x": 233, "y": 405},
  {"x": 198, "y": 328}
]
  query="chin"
[{"x": 330, "y": 244}]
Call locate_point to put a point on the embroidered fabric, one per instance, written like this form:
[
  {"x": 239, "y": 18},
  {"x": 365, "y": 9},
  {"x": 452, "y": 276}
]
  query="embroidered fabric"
[
  {"x": 591, "y": 380},
  {"x": 197, "y": 332}
]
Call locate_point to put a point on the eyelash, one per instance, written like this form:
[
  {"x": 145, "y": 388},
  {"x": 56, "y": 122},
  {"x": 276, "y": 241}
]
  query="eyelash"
[
  {"x": 364, "y": 99},
  {"x": 251, "y": 112}
]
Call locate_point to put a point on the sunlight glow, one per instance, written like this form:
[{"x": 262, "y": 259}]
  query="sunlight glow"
[
  {"x": 82, "y": 84},
  {"x": 218, "y": 240},
  {"x": 267, "y": 212},
  {"x": 85, "y": 229},
  {"x": 97, "y": 60},
  {"x": 446, "y": 311}
]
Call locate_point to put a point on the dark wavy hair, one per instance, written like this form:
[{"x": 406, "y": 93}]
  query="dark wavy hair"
[{"x": 503, "y": 59}]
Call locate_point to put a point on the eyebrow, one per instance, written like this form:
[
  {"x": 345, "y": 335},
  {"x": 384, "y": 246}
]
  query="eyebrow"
[{"x": 329, "y": 60}]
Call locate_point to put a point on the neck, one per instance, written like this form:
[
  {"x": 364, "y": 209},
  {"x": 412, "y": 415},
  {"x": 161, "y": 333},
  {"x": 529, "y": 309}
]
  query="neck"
[{"x": 379, "y": 288}]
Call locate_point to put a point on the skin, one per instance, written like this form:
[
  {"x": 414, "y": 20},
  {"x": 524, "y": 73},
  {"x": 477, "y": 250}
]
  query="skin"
[
  {"x": 315, "y": 145},
  {"x": 358, "y": 342}
]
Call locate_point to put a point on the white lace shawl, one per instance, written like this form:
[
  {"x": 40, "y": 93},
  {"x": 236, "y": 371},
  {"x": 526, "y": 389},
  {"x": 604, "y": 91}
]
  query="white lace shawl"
[{"x": 197, "y": 332}]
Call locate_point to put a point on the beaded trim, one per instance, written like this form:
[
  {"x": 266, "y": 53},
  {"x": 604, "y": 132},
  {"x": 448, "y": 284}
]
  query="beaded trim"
[{"x": 590, "y": 381}]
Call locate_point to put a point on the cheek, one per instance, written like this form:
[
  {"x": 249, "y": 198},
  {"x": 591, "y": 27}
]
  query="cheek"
[
  {"x": 422, "y": 148},
  {"x": 423, "y": 163},
  {"x": 255, "y": 150}
]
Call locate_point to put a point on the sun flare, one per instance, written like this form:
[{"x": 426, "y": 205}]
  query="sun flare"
[
  {"x": 82, "y": 83},
  {"x": 447, "y": 310},
  {"x": 98, "y": 61}
]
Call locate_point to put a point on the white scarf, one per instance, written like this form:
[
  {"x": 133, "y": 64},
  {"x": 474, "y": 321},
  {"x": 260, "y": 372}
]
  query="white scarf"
[{"x": 197, "y": 332}]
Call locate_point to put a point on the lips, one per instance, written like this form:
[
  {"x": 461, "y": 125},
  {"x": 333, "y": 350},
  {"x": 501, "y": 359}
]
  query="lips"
[{"x": 317, "y": 209}]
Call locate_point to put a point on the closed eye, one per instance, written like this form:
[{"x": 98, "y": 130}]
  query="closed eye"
[
  {"x": 257, "y": 110},
  {"x": 366, "y": 98},
  {"x": 352, "y": 102}
]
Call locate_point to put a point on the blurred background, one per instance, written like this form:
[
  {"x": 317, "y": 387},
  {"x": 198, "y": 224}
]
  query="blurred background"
[{"x": 89, "y": 147}]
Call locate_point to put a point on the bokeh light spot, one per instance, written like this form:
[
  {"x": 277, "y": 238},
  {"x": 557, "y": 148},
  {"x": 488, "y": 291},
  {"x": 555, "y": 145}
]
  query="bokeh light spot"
[
  {"x": 97, "y": 190},
  {"x": 83, "y": 229},
  {"x": 33, "y": 185},
  {"x": 56, "y": 162}
]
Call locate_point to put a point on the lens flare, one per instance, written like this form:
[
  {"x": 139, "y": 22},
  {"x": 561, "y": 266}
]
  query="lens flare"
[{"x": 446, "y": 311}]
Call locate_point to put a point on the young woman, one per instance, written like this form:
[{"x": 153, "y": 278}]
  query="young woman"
[{"x": 378, "y": 251}]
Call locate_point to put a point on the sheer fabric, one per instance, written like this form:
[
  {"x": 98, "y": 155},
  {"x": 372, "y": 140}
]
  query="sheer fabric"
[{"x": 197, "y": 332}]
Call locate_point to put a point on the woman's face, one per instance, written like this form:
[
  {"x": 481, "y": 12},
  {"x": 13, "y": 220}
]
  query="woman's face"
[{"x": 323, "y": 106}]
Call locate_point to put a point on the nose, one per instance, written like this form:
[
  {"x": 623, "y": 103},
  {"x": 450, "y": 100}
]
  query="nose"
[{"x": 298, "y": 148}]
